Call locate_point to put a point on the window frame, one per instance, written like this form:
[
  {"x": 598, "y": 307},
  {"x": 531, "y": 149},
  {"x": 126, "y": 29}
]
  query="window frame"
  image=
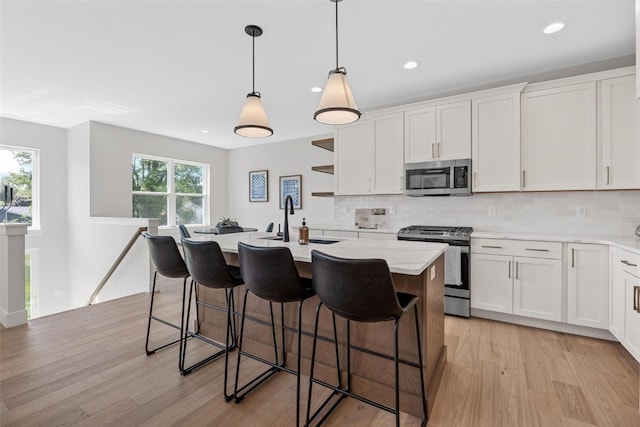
[
  {"x": 35, "y": 182},
  {"x": 171, "y": 194}
]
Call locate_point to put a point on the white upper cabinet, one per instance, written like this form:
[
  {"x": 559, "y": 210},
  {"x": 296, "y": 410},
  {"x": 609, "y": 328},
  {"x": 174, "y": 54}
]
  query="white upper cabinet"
[
  {"x": 559, "y": 138},
  {"x": 438, "y": 132},
  {"x": 495, "y": 142},
  {"x": 420, "y": 135},
  {"x": 369, "y": 156},
  {"x": 388, "y": 162},
  {"x": 353, "y": 158},
  {"x": 620, "y": 160}
]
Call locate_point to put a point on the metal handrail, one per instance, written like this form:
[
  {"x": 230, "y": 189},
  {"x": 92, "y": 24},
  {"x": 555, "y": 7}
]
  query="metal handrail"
[{"x": 117, "y": 262}]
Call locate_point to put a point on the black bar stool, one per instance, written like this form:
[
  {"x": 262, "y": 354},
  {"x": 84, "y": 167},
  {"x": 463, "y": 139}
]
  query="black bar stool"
[
  {"x": 360, "y": 290},
  {"x": 270, "y": 274},
  {"x": 167, "y": 262},
  {"x": 208, "y": 268}
]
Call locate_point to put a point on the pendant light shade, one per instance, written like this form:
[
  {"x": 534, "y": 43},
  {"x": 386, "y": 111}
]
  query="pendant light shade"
[
  {"x": 253, "y": 121},
  {"x": 337, "y": 105}
]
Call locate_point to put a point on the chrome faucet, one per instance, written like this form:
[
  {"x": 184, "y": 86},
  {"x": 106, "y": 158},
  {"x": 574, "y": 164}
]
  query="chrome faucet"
[{"x": 285, "y": 236}]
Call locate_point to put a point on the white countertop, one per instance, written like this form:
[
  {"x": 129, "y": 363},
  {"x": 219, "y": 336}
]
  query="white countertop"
[
  {"x": 403, "y": 257},
  {"x": 631, "y": 244}
]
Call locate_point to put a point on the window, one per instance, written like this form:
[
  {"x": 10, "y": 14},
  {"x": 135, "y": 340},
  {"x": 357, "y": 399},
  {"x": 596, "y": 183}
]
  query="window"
[
  {"x": 174, "y": 191},
  {"x": 18, "y": 172}
]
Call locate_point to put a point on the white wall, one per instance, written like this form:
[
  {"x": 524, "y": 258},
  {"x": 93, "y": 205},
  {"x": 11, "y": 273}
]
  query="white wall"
[
  {"x": 294, "y": 157},
  {"x": 99, "y": 182},
  {"x": 111, "y": 150},
  {"x": 608, "y": 213},
  {"x": 48, "y": 244}
]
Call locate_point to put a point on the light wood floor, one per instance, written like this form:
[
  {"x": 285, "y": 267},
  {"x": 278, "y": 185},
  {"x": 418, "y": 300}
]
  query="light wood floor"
[{"x": 88, "y": 367}]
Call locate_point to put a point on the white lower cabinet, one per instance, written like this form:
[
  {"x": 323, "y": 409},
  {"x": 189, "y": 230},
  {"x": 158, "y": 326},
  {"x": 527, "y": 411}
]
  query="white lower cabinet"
[
  {"x": 588, "y": 285},
  {"x": 492, "y": 286},
  {"x": 537, "y": 288},
  {"x": 625, "y": 300},
  {"x": 517, "y": 277}
]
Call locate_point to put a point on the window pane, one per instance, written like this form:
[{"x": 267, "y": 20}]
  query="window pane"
[
  {"x": 150, "y": 206},
  {"x": 189, "y": 178},
  {"x": 189, "y": 210},
  {"x": 149, "y": 175},
  {"x": 16, "y": 173}
]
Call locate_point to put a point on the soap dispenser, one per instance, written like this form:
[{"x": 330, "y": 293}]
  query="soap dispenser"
[{"x": 303, "y": 235}]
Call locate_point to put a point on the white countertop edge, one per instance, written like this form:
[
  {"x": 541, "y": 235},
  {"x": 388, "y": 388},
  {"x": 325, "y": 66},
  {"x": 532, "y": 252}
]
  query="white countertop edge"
[
  {"x": 336, "y": 227},
  {"x": 630, "y": 244},
  {"x": 403, "y": 257}
]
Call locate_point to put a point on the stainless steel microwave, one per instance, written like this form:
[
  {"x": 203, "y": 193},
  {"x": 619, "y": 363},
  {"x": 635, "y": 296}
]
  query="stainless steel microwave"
[{"x": 440, "y": 178}]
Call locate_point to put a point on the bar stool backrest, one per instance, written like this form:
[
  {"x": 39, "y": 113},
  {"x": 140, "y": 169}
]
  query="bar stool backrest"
[
  {"x": 184, "y": 232},
  {"x": 165, "y": 256},
  {"x": 270, "y": 273},
  {"x": 356, "y": 289},
  {"x": 207, "y": 265}
]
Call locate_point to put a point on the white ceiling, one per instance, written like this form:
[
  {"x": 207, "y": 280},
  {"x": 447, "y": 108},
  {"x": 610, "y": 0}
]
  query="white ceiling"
[{"x": 179, "y": 67}]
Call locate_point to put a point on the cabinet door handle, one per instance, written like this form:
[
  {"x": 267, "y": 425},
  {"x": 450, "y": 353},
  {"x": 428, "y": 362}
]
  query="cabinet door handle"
[
  {"x": 573, "y": 257},
  {"x": 608, "y": 175},
  {"x": 636, "y": 298},
  {"x": 523, "y": 179},
  {"x": 509, "y": 271},
  {"x": 401, "y": 182},
  {"x": 433, "y": 152},
  {"x": 536, "y": 249},
  {"x": 630, "y": 264},
  {"x": 439, "y": 150},
  {"x": 369, "y": 184},
  {"x": 492, "y": 247},
  {"x": 517, "y": 269}
]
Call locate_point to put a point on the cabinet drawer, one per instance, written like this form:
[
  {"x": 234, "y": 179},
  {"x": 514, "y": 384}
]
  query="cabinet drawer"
[
  {"x": 528, "y": 248},
  {"x": 627, "y": 261}
]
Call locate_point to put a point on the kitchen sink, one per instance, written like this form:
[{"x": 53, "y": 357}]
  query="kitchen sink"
[{"x": 318, "y": 241}]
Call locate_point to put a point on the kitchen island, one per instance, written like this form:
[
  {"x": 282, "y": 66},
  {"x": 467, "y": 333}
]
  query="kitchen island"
[{"x": 417, "y": 268}]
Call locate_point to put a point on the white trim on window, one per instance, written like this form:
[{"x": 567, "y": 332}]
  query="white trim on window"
[{"x": 171, "y": 194}]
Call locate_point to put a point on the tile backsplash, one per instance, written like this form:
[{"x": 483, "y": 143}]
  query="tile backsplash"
[{"x": 589, "y": 213}]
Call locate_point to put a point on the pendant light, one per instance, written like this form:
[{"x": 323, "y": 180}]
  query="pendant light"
[
  {"x": 337, "y": 105},
  {"x": 253, "y": 120}
]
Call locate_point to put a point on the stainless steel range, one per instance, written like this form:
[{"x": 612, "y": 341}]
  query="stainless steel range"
[{"x": 456, "y": 279}]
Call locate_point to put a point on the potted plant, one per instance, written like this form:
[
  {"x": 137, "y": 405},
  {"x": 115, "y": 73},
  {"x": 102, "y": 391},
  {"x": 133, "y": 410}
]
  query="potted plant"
[{"x": 226, "y": 222}]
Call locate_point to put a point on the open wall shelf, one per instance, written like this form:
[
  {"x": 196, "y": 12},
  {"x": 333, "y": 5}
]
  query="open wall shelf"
[{"x": 326, "y": 144}]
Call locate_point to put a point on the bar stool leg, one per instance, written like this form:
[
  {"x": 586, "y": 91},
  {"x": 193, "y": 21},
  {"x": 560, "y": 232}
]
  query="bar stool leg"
[
  {"x": 152, "y": 317},
  {"x": 420, "y": 367},
  {"x": 229, "y": 335},
  {"x": 397, "y": 371},
  {"x": 252, "y": 384},
  {"x": 335, "y": 388}
]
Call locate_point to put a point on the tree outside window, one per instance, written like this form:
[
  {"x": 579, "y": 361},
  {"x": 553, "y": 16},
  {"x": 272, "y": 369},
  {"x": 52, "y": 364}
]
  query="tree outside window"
[
  {"x": 170, "y": 190},
  {"x": 17, "y": 171}
]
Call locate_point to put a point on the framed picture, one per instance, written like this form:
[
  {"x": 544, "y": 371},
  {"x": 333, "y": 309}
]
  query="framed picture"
[
  {"x": 291, "y": 186},
  {"x": 259, "y": 186}
]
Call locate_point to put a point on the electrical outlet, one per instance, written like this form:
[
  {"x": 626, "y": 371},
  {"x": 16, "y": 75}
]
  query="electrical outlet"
[
  {"x": 581, "y": 211},
  {"x": 492, "y": 210},
  {"x": 392, "y": 210}
]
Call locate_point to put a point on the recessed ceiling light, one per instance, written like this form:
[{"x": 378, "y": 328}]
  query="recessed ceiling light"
[
  {"x": 204, "y": 131},
  {"x": 316, "y": 89},
  {"x": 410, "y": 65},
  {"x": 553, "y": 28}
]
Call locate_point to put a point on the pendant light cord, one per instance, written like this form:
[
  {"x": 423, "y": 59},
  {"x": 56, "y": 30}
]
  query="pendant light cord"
[
  {"x": 253, "y": 63},
  {"x": 337, "y": 67}
]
